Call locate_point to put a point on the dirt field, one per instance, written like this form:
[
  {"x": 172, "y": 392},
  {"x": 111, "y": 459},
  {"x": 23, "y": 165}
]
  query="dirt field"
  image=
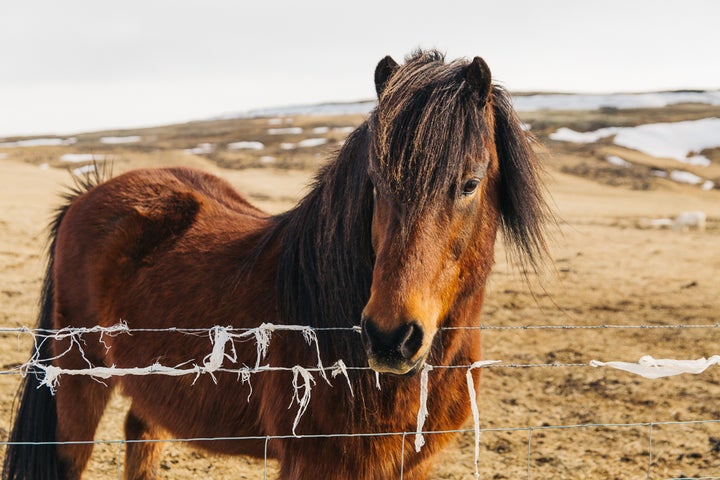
[{"x": 608, "y": 268}]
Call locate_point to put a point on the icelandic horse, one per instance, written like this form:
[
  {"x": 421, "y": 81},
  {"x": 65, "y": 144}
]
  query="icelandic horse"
[{"x": 395, "y": 239}]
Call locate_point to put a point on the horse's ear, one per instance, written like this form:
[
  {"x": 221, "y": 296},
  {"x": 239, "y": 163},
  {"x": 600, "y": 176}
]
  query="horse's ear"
[
  {"x": 479, "y": 78},
  {"x": 383, "y": 72}
]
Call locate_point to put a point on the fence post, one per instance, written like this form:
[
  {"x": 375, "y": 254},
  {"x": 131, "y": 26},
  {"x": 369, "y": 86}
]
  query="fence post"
[
  {"x": 529, "y": 451},
  {"x": 650, "y": 452},
  {"x": 121, "y": 444},
  {"x": 267, "y": 439},
  {"x": 402, "y": 456}
]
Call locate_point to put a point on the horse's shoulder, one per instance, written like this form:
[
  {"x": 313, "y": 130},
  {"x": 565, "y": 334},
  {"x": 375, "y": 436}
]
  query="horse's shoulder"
[
  {"x": 166, "y": 203},
  {"x": 137, "y": 212}
]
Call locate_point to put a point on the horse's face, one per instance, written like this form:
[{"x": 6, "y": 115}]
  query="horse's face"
[
  {"x": 428, "y": 255},
  {"x": 417, "y": 281}
]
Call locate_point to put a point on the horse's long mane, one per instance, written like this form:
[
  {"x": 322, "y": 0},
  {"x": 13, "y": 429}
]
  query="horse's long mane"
[
  {"x": 523, "y": 208},
  {"x": 326, "y": 258},
  {"x": 413, "y": 146}
]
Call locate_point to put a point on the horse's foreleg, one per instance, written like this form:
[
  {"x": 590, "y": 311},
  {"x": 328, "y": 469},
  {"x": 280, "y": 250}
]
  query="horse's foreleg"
[
  {"x": 142, "y": 457},
  {"x": 81, "y": 402}
]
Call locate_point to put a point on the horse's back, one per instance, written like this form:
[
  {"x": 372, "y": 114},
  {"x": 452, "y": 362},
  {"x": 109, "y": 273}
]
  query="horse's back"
[{"x": 138, "y": 223}]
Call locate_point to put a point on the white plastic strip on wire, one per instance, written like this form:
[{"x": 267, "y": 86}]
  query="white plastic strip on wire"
[
  {"x": 223, "y": 351},
  {"x": 653, "y": 368}
]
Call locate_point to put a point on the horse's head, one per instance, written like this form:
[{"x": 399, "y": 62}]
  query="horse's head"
[{"x": 449, "y": 161}]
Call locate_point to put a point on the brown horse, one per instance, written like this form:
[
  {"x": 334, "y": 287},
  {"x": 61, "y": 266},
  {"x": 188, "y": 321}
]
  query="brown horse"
[{"x": 397, "y": 236}]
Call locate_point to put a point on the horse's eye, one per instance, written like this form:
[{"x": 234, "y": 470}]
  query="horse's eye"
[{"x": 470, "y": 186}]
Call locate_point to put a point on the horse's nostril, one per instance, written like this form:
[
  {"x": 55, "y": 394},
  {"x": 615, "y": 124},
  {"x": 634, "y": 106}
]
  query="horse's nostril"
[
  {"x": 399, "y": 344},
  {"x": 412, "y": 340},
  {"x": 371, "y": 336}
]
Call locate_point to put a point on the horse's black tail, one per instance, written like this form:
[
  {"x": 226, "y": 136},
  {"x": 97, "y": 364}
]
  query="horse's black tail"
[{"x": 32, "y": 453}]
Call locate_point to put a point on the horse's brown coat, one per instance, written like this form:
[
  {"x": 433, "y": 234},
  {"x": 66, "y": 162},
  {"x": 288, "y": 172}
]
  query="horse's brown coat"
[{"x": 385, "y": 230}]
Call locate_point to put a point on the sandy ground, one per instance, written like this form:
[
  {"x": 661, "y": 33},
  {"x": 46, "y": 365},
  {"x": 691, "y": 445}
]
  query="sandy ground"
[{"x": 608, "y": 269}]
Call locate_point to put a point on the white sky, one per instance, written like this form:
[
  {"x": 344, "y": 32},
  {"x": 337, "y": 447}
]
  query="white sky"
[{"x": 77, "y": 65}]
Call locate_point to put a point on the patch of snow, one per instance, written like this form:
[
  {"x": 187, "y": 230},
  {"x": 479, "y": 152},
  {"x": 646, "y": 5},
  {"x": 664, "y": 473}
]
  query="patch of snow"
[
  {"x": 617, "y": 161},
  {"x": 245, "y": 146},
  {"x": 275, "y": 121},
  {"x": 312, "y": 142},
  {"x": 344, "y": 129},
  {"x": 681, "y": 176},
  {"x": 120, "y": 140},
  {"x": 83, "y": 170},
  {"x": 288, "y": 146},
  {"x": 673, "y": 140},
  {"x": 44, "y": 166},
  {"x": 81, "y": 157},
  {"x": 320, "y": 130},
  {"x": 700, "y": 160},
  {"x": 201, "y": 149},
  {"x": 267, "y": 159},
  {"x": 565, "y": 134},
  {"x": 677, "y": 140},
  {"x": 661, "y": 222},
  {"x": 40, "y": 142},
  {"x": 285, "y": 131}
]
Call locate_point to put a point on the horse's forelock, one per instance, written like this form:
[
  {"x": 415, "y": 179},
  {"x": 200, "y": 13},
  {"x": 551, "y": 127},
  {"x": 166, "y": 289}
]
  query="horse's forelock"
[{"x": 427, "y": 125}]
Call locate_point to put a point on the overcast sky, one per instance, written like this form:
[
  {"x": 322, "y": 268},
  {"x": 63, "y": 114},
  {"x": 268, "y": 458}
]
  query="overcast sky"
[{"x": 77, "y": 65}]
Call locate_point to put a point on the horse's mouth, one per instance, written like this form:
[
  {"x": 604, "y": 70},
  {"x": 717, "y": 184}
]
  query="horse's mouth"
[{"x": 398, "y": 369}]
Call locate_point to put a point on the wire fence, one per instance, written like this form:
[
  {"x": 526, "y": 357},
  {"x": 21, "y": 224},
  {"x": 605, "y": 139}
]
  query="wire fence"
[
  {"x": 223, "y": 351},
  {"x": 529, "y": 431}
]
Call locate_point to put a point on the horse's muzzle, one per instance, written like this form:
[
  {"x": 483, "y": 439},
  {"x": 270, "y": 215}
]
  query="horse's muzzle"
[{"x": 396, "y": 351}]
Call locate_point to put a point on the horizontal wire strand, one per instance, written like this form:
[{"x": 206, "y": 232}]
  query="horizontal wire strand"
[
  {"x": 655, "y": 424},
  {"x": 356, "y": 328}
]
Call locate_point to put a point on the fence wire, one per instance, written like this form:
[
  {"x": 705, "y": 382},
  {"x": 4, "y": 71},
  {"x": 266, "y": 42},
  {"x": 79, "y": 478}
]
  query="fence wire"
[
  {"x": 223, "y": 348},
  {"x": 529, "y": 430}
]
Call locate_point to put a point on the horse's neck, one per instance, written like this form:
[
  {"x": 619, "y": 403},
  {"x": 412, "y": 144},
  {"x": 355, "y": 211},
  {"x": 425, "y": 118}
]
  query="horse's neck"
[{"x": 460, "y": 337}]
